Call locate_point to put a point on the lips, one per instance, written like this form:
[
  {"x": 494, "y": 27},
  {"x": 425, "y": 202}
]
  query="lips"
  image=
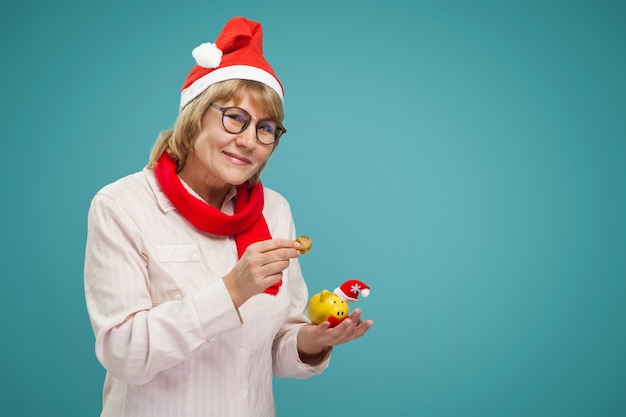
[{"x": 237, "y": 159}]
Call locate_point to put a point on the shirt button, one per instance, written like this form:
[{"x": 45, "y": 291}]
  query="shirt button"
[
  {"x": 243, "y": 391},
  {"x": 241, "y": 350}
]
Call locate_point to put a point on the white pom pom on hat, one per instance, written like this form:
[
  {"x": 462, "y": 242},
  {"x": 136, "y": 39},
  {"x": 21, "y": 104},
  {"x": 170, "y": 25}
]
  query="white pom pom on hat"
[
  {"x": 350, "y": 290},
  {"x": 207, "y": 55},
  {"x": 236, "y": 54}
]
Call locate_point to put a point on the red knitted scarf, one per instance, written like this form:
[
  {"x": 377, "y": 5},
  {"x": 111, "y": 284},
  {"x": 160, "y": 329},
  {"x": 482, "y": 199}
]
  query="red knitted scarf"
[{"x": 247, "y": 224}]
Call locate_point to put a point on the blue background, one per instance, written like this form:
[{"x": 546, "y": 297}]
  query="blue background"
[{"x": 467, "y": 160}]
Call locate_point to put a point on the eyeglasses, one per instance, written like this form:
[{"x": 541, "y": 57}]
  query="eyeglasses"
[{"x": 236, "y": 120}]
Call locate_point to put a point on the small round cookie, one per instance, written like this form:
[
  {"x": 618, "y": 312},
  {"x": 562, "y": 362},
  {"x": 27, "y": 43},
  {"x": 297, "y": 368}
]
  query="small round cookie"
[{"x": 305, "y": 244}]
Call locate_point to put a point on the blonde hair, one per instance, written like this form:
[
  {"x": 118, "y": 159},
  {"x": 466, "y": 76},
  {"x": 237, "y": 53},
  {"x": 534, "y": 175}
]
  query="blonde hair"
[{"x": 179, "y": 140}]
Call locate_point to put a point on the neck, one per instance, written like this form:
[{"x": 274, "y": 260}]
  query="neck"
[
  {"x": 212, "y": 193},
  {"x": 214, "y": 198}
]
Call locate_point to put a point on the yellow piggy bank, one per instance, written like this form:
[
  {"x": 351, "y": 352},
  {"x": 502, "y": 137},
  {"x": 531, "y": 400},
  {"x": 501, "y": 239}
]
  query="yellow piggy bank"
[
  {"x": 333, "y": 306},
  {"x": 327, "y": 306}
]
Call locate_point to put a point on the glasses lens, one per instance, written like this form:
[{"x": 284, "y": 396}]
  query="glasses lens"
[
  {"x": 235, "y": 119},
  {"x": 267, "y": 131}
]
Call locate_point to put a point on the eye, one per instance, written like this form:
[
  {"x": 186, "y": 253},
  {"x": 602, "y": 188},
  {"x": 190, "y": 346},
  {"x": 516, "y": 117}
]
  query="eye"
[
  {"x": 237, "y": 117},
  {"x": 266, "y": 126}
]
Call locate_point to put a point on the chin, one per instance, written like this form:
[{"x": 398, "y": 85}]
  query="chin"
[
  {"x": 236, "y": 181},
  {"x": 240, "y": 179}
]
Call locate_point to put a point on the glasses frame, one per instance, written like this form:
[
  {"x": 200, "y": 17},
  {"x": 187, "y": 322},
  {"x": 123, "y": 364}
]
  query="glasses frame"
[{"x": 279, "y": 132}]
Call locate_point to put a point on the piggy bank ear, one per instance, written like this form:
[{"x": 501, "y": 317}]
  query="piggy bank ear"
[{"x": 324, "y": 295}]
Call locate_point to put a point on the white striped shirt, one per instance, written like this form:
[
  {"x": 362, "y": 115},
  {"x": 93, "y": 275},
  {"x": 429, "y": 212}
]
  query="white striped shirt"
[{"x": 166, "y": 329}]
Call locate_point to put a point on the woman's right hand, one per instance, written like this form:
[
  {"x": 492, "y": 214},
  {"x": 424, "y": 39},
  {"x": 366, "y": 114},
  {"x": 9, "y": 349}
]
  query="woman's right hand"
[{"x": 261, "y": 266}]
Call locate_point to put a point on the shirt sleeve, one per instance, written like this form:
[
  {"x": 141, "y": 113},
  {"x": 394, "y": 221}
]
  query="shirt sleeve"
[{"x": 134, "y": 339}]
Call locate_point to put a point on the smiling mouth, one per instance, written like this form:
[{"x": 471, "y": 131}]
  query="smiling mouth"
[{"x": 237, "y": 159}]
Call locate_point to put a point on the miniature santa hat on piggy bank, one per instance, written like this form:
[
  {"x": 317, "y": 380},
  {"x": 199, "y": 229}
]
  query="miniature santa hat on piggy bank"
[
  {"x": 236, "y": 53},
  {"x": 349, "y": 290}
]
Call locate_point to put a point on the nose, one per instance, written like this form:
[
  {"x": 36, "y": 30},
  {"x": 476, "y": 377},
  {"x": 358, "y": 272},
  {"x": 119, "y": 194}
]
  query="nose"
[{"x": 247, "y": 138}]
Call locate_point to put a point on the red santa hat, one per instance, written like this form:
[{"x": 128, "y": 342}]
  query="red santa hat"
[
  {"x": 349, "y": 290},
  {"x": 236, "y": 53}
]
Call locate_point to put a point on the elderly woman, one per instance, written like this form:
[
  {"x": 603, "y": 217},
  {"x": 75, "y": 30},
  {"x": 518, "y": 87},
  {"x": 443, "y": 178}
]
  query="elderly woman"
[{"x": 192, "y": 280}]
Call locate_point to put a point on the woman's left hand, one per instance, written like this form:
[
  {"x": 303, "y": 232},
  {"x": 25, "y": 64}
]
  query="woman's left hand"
[{"x": 314, "y": 339}]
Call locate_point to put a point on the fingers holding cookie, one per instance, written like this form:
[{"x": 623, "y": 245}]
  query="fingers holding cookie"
[{"x": 305, "y": 244}]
